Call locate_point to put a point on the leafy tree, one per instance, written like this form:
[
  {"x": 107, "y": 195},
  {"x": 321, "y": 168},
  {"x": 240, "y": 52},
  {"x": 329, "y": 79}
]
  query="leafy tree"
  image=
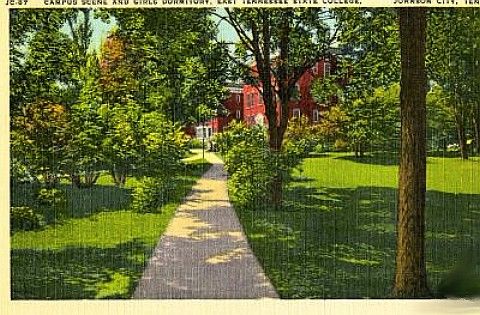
[
  {"x": 248, "y": 161},
  {"x": 27, "y": 27},
  {"x": 371, "y": 50},
  {"x": 163, "y": 144},
  {"x": 440, "y": 119},
  {"x": 120, "y": 110},
  {"x": 373, "y": 121},
  {"x": 121, "y": 138},
  {"x": 366, "y": 123},
  {"x": 301, "y": 138},
  {"x": 39, "y": 139},
  {"x": 456, "y": 34},
  {"x": 84, "y": 158},
  {"x": 179, "y": 65},
  {"x": 281, "y": 44}
]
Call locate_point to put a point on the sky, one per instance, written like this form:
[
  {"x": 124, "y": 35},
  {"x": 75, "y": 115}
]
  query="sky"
[{"x": 100, "y": 31}]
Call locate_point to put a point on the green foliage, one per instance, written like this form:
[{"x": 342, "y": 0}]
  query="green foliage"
[
  {"x": 301, "y": 138},
  {"x": 41, "y": 68},
  {"x": 340, "y": 145},
  {"x": 252, "y": 165},
  {"x": 51, "y": 197},
  {"x": 368, "y": 123},
  {"x": 85, "y": 156},
  {"x": 176, "y": 59},
  {"x": 52, "y": 203},
  {"x": 19, "y": 172},
  {"x": 39, "y": 138},
  {"x": 248, "y": 161},
  {"x": 440, "y": 119},
  {"x": 162, "y": 146},
  {"x": 371, "y": 59},
  {"x": 195, "y": 143},
  {"x": 455, "y": 33},
  {"x": 151, "y": 193},
  {"x": 24, "y": 218}
]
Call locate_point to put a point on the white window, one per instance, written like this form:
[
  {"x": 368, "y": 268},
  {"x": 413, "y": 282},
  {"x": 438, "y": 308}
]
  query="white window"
[
  {"x": 326, "y": 69},
  {"x": 296, "y": 113},
  {"x": 238, "y": 98},
  {"x": 204, "y": 132},
  {"x": 315, "y": 115},
  {"x": 238, "y": 114},
  {"x": 315, "y": 69}
]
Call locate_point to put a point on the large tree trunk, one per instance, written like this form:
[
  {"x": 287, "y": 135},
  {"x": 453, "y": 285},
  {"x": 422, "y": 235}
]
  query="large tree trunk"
[
  {"x": 410, "y": 274},
  {"x": 276, "y": 188},
  {"x": 460, "y": 126}
]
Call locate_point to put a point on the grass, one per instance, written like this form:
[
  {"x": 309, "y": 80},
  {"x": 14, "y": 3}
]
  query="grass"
[
  {"x": 335, "y": 237},
  {"x": 99, "y": 250}
]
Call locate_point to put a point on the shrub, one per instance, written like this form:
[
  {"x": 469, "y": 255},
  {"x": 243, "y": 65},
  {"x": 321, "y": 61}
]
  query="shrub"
[
  {"x": 53, "y": 203},
  {"x": 24, "y": 218},
  {"x": 251, "y": 170},
  {"x": 39, "y": 137},
  {"x": 51, "y": 197},
  {"x": 151, "y": 194},
  {"x": 252, "y": 166},
  {"x": 19, "y": 172},
  {"x": 249, "y": 162},
  {"x": 341, "y": 145},
  {"x": 196, "y": 143}
]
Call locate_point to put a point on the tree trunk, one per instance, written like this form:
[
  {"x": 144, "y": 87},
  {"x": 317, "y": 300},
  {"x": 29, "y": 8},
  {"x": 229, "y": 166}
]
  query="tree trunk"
[
  {"x": 50, "y": 179},
  {"x": 119, "y": 175},
  {"x": 89, "y": 179},
  {"x": 410, "y": 274},
  {"x": 361, "y": 149},
  {"x": 476, "y": 127},
  {"x": 276, "y": 186},
  {"x": 460, "y": 126}
]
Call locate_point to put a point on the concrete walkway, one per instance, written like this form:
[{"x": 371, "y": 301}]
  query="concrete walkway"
[{"x": 204, "y": 253}]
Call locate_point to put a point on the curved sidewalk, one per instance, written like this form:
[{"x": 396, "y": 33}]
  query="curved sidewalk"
[{"x": 204, "y": 253}]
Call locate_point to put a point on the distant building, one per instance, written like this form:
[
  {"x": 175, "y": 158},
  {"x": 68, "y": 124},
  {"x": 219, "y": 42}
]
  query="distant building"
[{"x": 245, "y": 102}]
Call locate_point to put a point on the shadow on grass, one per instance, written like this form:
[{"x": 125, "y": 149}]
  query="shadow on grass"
[
  {"x": 391, "y": 158},
  {"x": 376, "y": 158},
  {"x": 83, "y": 202},
  {"x": 340, "y": 243},
  {"x": 77, "y": 272}
]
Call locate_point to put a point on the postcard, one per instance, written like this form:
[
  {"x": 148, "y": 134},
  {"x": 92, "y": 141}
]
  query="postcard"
[{"x": 241, "y": 155}]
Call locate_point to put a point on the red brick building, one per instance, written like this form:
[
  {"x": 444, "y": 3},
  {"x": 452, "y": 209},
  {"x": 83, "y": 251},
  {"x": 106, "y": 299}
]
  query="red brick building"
[{"x": 246, "y": 103}]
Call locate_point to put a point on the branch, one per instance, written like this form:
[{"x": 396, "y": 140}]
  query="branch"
[{"x": 238, "y": 28}]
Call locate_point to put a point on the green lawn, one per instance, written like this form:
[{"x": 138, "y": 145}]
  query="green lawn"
[
  {"x": 335, "y": 237},
  {"x": 99, "y": 251}
]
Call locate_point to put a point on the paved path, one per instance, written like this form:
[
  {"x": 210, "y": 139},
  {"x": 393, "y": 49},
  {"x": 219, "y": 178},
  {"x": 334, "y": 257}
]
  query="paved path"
[{"x": 204, "y": 253}]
